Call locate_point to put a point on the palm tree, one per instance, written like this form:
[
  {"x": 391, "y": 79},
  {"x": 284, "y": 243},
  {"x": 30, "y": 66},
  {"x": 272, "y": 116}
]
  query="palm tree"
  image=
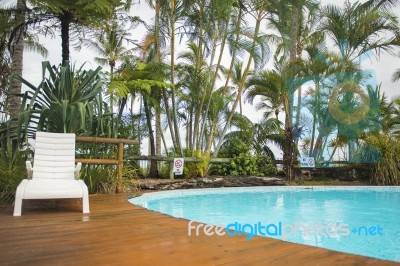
[
  {"x": 220, "y": 13},
  {"x": 268, "y": 84},
  {"x": 108, "y": 44},
  {"x": 146, "y": 79},
  {"x": 320, "y": 65},
  {"x": 154, "y": 40},
  {"x": 68, "y": 100},
  {"x": 353, "y": 29},
  {"x": 17, "y": 56},
  {"x": 72, "y": 15},
  {"x": 276, "y": 87},
  {"x": 14, "y": 39},
  {"x": 259, "y": 136},
  {"x": 173, "y": 14},
  {"x": 296, "y": 23},
  {"x": 396, "y": 75},
  {"x": 194, "y": 78},
  {"x": 258, "y": 54}
]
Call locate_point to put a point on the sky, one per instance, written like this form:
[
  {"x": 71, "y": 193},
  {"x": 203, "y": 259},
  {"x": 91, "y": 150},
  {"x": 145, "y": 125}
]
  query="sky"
[{"x": 384, "y": 66}]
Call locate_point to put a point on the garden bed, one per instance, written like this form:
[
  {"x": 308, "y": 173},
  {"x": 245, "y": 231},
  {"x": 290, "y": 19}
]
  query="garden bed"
[{"x": 150, "y": 184}]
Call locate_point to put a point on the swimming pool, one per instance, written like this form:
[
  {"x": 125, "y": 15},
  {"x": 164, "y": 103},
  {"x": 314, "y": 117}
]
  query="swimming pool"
[{"x": 357, "y": 220}]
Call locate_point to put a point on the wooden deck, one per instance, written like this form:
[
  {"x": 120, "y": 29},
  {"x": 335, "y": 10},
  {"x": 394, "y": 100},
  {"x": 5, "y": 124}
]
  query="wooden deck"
[{"x": 119, "y": 233}]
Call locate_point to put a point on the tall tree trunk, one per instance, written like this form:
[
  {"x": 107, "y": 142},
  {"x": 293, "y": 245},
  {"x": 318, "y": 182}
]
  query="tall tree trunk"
[
  {"x": 65, "y": 20},
  {"x": 153, "y": 172},
  {"x": 158, "y": 60},
  {"x": 316, "y": 108},
  {"x": 116, "y": 120},
  {"x": 158, "y": 132},
  {"x": 294, "y": 32},
  {"x": 17, "y": 57},
  {"x": 289, "y": 153},
  {"x": 199, "y": 108},
  {"x": 228, "y": 76},
  {"x": 241, "y": 85},
  {"x": 173, "y": 96},
  {"x": 214, "y": 78},
  {"x": 288, "y": 147},
  {"x": 157, "y": 32}
]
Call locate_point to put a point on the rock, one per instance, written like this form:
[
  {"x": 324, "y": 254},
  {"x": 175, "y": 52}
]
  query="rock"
[{"x": 210, "y": 182}]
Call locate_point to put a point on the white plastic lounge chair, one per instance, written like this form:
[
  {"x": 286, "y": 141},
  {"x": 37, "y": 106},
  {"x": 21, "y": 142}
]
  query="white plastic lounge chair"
[{"x": 53, "y": 175}]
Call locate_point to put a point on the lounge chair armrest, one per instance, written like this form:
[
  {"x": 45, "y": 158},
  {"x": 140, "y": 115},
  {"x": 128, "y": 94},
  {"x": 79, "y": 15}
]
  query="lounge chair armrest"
[
  {"x": 29, "y": 169},
  {"x": 77, "y": 170}
]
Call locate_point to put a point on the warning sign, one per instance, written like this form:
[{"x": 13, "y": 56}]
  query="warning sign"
[
  {"x": 307, "y": 162},
  {"x": 178, "y": 166}
]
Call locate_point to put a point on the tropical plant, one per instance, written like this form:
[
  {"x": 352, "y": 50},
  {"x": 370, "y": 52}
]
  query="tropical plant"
[
  {"x": 10, "y": 177},
  {"x": 108, "y": 43},
  {"x": 346, "y": 27},
  {"x": 17, "y": 59},
  {"x": 387, "y": 150},
  {"x": 67, "y": 100},
  {"x": 277, "y": 87},
  {"x": 72, "y": 16},
  {"x": 14, "y": 39},
  {"x": 258, "y": 52},
  {"x": 243, "y": 162},
  {"x": 144, "y": 79}
]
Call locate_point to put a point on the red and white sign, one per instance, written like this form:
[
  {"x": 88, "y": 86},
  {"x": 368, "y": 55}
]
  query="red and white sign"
[{"x": 178, "y": 166}]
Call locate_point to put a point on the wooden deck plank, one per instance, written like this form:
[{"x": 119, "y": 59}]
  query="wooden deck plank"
[{"x": 117, "y": 232}]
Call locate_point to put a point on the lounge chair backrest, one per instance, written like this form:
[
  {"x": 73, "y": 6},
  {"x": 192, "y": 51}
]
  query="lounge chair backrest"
[{"x": 54, "y": 156}]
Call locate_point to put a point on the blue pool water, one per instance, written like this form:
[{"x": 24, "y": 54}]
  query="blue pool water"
[{"x": 357, "y": 220}]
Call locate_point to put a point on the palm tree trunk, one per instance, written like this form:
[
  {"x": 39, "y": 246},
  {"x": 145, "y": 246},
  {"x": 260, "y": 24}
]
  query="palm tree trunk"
[
  {"x": 157, "y": 31},
  {"x": 173, "y": 95},
  {"x": 17, "y": 61},
  {"x": 214, "y": 79},
  {"x": 290, "y": 150},
  {"x": 158, "y": 132},
  {"x": 65, "y": 20},
  {"x": 316, "y": 108},
  {"x": 228, "y": 76},
  {"x": 158, "y": 59},
  {"x": 153, "y": 172},
  {"x": 195, "y": 140},
  {"x": 169, "y": 117},
  {"x": 241, "y": 85}
]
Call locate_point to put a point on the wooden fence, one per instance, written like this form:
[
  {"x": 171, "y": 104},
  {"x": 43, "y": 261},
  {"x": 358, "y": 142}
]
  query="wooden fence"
[
  {"x": 120, "y": 157},
  {"x": 113, "y": 161}
]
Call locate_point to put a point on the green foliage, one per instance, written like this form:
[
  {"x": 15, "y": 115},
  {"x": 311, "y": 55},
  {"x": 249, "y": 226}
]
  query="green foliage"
[
  {"x": 163, "y": 169},
  {"x": 66, "y": 100},
  {"x": 196, "y": 169},
  {"x": 387, "y": 170},
  {"x": 246, "y": 164},
  {"x": 243, "y": 161},
  {"x": 10, "y": 177},
  {"x": 103, "y": 179}
]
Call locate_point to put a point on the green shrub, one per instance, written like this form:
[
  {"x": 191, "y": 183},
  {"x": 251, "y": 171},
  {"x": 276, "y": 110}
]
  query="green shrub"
[
  {"x": 196, "y": 169},
  {"x": 387, "y": 170},
  {"x": 10, "y": 177},
  {"x": 246, "y": 164},
  {"x": 99, "y": 178},
  {"x": 243, "y": 161},
  {"x": 103, "y": 178}
]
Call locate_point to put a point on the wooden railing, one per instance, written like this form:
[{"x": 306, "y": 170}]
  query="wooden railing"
[{"x": 118, "y": 161}]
